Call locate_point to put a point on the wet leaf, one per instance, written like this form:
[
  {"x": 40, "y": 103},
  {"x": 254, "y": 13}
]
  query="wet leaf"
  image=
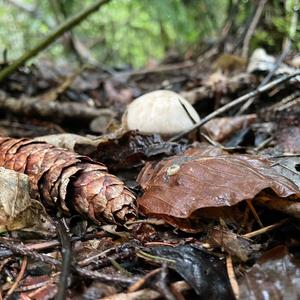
[
  {"x": 199, "y": 270},
  {"x": 276, "y": 275},
  {"x": 220, "y": 129},
  {"x": 179, "y": 186},
  {"x": 288, "y": 167}
]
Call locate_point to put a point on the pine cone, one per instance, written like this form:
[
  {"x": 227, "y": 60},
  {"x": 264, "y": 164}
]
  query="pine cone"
[{"x": 67, "y": 181}]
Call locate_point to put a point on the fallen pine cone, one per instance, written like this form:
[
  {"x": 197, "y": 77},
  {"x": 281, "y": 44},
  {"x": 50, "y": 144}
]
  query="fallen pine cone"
[{"x": 67, "y": 181}]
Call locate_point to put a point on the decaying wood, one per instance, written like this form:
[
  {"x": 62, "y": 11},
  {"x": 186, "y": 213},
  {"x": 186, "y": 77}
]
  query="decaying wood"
[
  {"x": 67, "y": 181},
  {"x": 31, "y": 107}
]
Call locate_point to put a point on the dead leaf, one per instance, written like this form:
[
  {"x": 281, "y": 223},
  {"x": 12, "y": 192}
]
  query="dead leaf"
[
  {"x": 64, "y": 140},
  {"x": 232, "y": 243},
  {"x": 276, "y": 275},
  {"x": 205, "y": 182},
  {"x": 17, "y": 209},
  {"x": 118, "y": 150},
  {"x": 220, "y": 129},
  {"x": 198, "y": 269},
  {"x": 128, "y": 150}
]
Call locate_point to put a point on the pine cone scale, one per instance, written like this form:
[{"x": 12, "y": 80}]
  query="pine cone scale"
[{"x": 68, "y": 182}]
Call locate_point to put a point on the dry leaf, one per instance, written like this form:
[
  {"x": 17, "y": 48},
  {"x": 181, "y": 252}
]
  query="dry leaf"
[
  {"x": 120, "y": 150},
  {"x": 64, "y": 140},
  {"x": 67, "y": 181},
  {"x": 179, "y": 186},
  {"x": 220, "y": 129},
  {"x": 17, "y": 209}
]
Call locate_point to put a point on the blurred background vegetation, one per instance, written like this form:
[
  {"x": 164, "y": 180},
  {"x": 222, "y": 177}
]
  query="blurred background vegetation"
[{"x": 134, "y": 32}]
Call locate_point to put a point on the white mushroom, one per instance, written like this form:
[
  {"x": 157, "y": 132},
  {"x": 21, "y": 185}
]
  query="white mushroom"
[{"x": 164, "y": 112}]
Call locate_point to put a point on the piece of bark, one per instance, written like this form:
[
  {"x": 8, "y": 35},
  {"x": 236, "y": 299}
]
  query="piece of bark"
[{"x": 66, "y": 181}]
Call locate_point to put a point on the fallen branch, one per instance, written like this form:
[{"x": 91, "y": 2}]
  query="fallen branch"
[
  {"x": 31, "y": 107},
  {"x": 70, "y": 23}
]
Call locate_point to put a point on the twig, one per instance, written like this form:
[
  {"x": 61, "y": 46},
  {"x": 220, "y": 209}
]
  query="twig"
[
  {"x": 251, "y": 30},
  {"x": 70, "y": 23},
  {"x": 256, "y": 216},
  {"x": 234, "y": 103},
  {"x": 138, "y": 284},
  {"x": 264, "y": 229},
  {"x": 162, "y": 285},
  {"x": 89, "y": 259},
  {"x": 148, "y": 294},
  {"x": 18, "y": 279},
  {"x": 49, "y": 244},
  {"x": 231, "y": 277},
  {"x": 66, "y": 262},
  {"x": 21, "y": 249}
]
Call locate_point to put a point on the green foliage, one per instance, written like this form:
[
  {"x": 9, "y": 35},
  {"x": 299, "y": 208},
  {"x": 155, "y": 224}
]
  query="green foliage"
[
  {"x": 277, "y": 21},
  {"x": 134, "y": 31},
  {"x": 122, "y": 32}
]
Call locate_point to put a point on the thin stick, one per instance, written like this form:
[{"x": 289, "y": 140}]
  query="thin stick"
[
  {"x": 231, "y": 277},
  {"x": 252, "y": 208},
  {"x": 22, "y": 249},
  {"x": 264, "y": 229},
  {"x": 234, "y": 103},
  {"x": 67, "y": 25},
  {"x": 251, "y": 30},
  {"x": 66, "y": 253},
  {"x": 138, "y": 284},
  {"x": 19, "y": 277}
]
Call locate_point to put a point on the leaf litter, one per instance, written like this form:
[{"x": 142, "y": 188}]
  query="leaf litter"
[{"x": 202, "y": 217}]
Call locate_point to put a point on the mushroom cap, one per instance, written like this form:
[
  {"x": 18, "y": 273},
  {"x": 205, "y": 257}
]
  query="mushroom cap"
[{"x": 164, "y": 112}]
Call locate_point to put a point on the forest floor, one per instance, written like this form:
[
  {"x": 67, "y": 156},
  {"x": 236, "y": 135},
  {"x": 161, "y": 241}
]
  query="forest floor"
[{"x": 208, "y": 213}]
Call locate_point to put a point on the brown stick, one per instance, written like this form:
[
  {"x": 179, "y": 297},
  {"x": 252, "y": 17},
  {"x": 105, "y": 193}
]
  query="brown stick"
[
  {"x": 251, "y": 30},
  {"x": 70, "y": 23}
]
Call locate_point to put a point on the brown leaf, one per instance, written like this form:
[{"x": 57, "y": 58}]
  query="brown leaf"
[
  {"x": 17, "y": 209},
  {"x": 179, "y": 186},
  {"x": 67, "y": 181},
  {"x": 232, "y": 243},
  {"x": 220, "y": 129},
  {"x": 276, "y": 275}
]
